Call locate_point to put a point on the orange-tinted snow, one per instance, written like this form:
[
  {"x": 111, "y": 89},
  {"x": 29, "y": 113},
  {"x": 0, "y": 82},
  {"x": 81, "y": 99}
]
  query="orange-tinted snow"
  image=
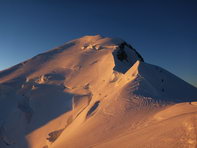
[{"x": 83, "y": 94}]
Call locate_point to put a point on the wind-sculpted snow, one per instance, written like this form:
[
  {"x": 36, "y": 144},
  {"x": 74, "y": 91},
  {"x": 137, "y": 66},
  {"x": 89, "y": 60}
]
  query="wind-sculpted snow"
[
  {"x": 125, "y": 57},
  {"x": 93, "y": 108},
  {"x": 95, "y": 92}
]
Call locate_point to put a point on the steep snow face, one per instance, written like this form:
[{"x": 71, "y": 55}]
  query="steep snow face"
[
  {"x": 156, "y": 82},
  {"x": 93, "y": 86}
]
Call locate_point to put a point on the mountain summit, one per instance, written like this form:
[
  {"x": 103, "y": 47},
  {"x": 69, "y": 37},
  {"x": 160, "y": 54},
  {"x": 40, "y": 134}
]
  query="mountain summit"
[{"x": 95, "y": 92}]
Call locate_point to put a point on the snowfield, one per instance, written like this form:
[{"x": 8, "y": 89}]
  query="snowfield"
[{"x": 95, "y": 92}]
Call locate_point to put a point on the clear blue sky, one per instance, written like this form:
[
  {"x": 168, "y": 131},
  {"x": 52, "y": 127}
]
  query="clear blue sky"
[{"x": 165, "y": 33}]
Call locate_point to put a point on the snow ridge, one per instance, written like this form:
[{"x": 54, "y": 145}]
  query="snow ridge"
[{"x": 98, "y": 87}]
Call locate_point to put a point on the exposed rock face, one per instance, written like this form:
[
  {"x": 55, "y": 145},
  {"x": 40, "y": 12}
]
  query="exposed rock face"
[{"x": 122, "y": 55}]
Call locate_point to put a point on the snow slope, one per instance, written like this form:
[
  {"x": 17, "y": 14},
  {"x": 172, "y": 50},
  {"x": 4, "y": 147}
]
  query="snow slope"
[{"x": 95, "y": 92}]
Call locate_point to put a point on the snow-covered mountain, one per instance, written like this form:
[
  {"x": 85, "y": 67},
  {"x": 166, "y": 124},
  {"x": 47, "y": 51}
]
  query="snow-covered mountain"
[{"x": 95, "y": 92}]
